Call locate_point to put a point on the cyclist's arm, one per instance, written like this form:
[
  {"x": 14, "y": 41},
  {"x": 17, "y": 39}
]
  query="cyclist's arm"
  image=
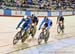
[
  {"x": 20, "y": 23},
  {"x": 63, "y": 21},
  {"x": 49, "y": 25},
  {"x": 41, "y": 24},
  {"x": 37, "y": 20}
]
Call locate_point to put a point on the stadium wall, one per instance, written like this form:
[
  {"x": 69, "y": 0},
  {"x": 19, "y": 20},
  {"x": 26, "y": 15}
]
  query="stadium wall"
[{"x": 9, "y": 12}]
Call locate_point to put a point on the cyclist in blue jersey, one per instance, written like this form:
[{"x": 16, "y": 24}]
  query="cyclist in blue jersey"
[
  {"x": 26, "y": 25},
  {"x": 47, "y": 23},
  {"x": 26, "y": 21},
  {"x": 23, "y": 33}
]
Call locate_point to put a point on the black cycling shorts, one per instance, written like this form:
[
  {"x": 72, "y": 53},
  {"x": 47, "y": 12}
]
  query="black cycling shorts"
[
  {"x": 46, "y": 24},
  {"x": 51, "y": 23},
  {"x": 61, "y": 19}
]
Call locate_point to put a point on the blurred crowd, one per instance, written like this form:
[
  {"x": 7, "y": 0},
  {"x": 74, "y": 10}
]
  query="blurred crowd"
[{"x": 37, "y": 4}]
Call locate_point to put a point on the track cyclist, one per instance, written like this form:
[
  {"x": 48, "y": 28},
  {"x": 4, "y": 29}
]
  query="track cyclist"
[
  {"x": 26, "y": 24},
  {"x": 60, "y": 22},
  {"x": 46, "y": 24},
  {"x": 34, "y": 25}
]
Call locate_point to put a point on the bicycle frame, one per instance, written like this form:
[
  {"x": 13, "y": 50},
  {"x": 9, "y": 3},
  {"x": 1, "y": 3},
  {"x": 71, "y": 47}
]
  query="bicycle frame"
[{"x": 44, "y": 35}]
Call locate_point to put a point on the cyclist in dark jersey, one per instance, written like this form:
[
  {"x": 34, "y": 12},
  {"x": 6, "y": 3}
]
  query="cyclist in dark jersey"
[
  {"x": 60, "y": 20},
  {"x": 34, "y": 24}
]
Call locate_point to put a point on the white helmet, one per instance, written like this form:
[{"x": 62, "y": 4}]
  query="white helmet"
[{"x": 25, "y": 16}]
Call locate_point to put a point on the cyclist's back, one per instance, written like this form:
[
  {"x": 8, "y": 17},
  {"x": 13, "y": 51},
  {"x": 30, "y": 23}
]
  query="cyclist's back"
[
  {"x": 60, "y": 18},
  {"x": 26, "y": 23},
  {"x": 60, "y": 21},
  {"x": 47, "y": 23},
  {"x": 34, "y": 19}
]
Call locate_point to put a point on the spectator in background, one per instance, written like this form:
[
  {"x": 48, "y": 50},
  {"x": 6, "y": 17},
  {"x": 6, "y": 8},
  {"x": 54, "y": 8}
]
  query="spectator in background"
[
  {"x": 41, "y": 5},
  {"x": 29, "y": 1},
  {"x": 18, "y": 4},
  {"x": 24, "y": 2},
  {"x": 39, "y": 1},
  {"x": 58, "y": 4},
  {"x": 3, "y": 5},
  {"x": 0, "y": 4}
]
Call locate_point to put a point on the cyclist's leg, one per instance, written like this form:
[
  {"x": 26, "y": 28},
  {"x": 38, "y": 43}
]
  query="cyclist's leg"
[
  {"x": 33, "y": 31},
  {"x": 45, "y": 32},
  {"x": 63, "y": 25},
  {"x": 45, "y": 26},
  {"x": 27, "y": 29},
  {"x": 58, "y": 27},
  {"x": 62, "y": 28},
  {"x": 47, "y": 36},
  {"x": 25, "y": 35}
]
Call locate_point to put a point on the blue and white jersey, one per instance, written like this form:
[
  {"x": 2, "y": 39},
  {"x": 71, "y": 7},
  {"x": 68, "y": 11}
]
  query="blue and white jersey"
[
  {"x": 26, "y": 23},
  {"x": 46, "y": 21}
]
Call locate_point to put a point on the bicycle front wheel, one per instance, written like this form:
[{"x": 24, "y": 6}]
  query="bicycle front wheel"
[
  {"x": 58, "y": 29},
  {"x": 41, "y": 37},
  {"x": 16, "y": 37}
]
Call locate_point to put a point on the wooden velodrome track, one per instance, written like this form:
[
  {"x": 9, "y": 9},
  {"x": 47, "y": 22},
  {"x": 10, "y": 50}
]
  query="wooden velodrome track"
[{"x": 57, "y": 44}]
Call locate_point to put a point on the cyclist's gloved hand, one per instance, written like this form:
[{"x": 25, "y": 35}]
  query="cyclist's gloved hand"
[
  {"x": 16, "y": 28},
  {"x": 39, "y": 29}
]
